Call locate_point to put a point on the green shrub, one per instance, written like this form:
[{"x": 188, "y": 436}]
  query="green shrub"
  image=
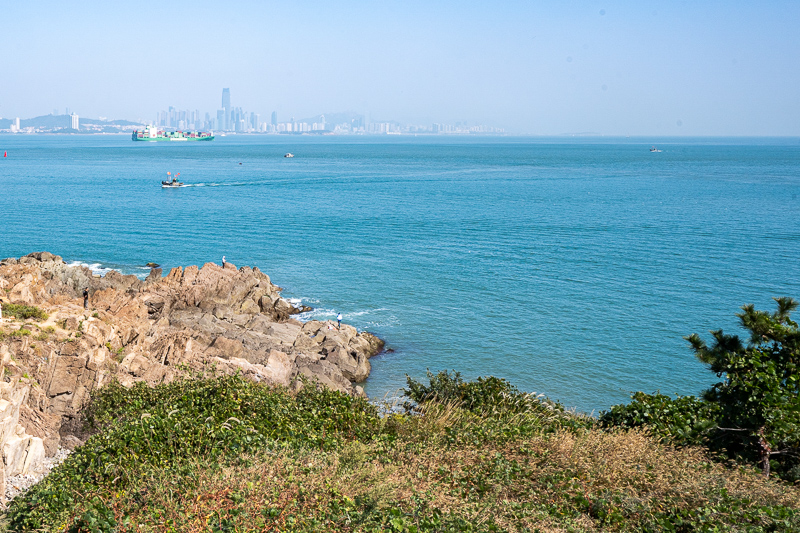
[
  {"x": 221, "y": 417},
  {"x": 24, "y": 312},
  {"x": 479, "y": 396},
  {"x": 753, "y": 413},
  {"x": 682, "y": 421}
]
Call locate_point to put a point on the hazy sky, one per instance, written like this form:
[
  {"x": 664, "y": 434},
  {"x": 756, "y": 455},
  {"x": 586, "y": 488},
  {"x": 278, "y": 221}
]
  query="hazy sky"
[{"x": 541, "y": 67}]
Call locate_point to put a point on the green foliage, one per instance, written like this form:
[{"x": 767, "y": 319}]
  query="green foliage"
[
  {"x": 759, "y": 396},
  {"x": 485, "y": 410},
  {"x": 681, "y": 421},
  {"x": 478, "y": 396},
  {"x": 211, "y": 418},
  {"x": 224, "y": 454},
  {"x": 96, "y": 519},
  {"x": 24, "y": 311},
  {"x": 753, "y": 414}
]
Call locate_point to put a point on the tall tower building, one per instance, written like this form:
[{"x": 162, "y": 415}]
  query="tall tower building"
[
  {"x": 226, "y": 106},
  {"x": 274, "y": 118},
  {"x": 73, "y": 122},
  {"x": 226, "y": 98}
]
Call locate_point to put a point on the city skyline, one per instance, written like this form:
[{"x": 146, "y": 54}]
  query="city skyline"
[
  {"x": 230, "y": 118},
  {"x": 610, "y": 68}
]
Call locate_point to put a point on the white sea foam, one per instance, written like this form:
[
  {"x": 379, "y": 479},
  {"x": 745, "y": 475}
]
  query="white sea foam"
[
  {"x": 362, "y": 313},
  {"x": 96, "y": 268},
  {"x": 364, "y": 319},
  {"x": 317, "y": 314},
  {"x": 99, "y": 269}
]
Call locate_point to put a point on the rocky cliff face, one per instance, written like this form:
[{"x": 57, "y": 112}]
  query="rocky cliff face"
[{"x": 228, "y": 319}]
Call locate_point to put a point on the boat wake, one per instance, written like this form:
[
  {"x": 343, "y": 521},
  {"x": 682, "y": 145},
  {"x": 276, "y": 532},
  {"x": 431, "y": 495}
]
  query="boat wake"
[{"x": 238, "y": 184}]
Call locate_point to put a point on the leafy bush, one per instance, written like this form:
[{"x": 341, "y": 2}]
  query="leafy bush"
[
  {"x": 753, "y": 414},
  {"x": 483, "y": 394},
  {"x": 681, "y": 421},
  {"x": 24, "y": 311},
  {"x": 222, "y": 417}
]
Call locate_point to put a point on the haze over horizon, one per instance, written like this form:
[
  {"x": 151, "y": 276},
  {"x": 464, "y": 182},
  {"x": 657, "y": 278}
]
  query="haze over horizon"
[{"x": 610, "y": 68}]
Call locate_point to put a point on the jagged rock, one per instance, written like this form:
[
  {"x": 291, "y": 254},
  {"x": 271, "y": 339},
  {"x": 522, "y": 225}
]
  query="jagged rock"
[
  {"x": 353, "y": 365},
  {"x": 21, "y": 294},
  {"x": 228, "y": 348},
  {"x": 282, "y": 309},
  {"x": 70, "y": 442},
  {"x": 154, "y": 275}
]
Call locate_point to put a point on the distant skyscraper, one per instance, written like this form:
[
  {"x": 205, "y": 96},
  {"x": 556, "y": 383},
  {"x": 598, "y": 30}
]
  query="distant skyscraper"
[
  {"x": 74, "y": 122},
  {"x": 226, "y": 98},
  {"x": 274, "y": 118}
]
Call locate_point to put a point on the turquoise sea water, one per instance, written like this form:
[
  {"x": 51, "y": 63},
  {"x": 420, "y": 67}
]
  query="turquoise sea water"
[{"x": 572, "y": 267}]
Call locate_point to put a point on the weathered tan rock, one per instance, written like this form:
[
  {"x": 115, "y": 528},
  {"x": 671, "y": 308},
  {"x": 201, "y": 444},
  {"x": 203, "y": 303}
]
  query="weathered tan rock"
[
  {"x": 21, "y": 294},
  {"x": 353, "y": 365},
  {"x": 227, "y": 348}
]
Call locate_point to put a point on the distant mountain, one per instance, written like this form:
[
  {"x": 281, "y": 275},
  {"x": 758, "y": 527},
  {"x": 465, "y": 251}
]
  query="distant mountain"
[
  {"x": 46, "y": 121},
  {"x": 62, "y": 121},
  {"x": 110, "y": 122}
]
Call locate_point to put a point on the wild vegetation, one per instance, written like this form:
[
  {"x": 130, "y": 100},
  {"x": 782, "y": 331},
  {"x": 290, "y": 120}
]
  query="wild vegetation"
[
  {"x": 23, "y": 312},
  {"x": 753, "y": 414},
  {"x": 224, "y": 454}
]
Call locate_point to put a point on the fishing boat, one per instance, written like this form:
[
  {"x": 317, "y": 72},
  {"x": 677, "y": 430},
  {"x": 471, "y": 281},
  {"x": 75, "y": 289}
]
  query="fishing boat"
[
  {"x": 172, "y": 183},
  {"x": 289, "y": 154},
  {"x": 654, "y": 149}
]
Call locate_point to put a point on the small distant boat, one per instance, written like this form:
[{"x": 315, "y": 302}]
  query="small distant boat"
[
  {"x": 173, "y": 183},
  {"x": 654, "y": 149},
  {"x": 289, "y": 154}
]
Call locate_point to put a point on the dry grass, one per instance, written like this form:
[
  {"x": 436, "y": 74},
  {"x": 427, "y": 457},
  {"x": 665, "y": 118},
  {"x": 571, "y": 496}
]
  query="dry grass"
[{"x": 537, "y": 483}]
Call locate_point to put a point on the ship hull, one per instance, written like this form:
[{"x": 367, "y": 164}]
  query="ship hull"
[
  {"x": 158, "y": 139},
  {"x": 152, "y": 134}
]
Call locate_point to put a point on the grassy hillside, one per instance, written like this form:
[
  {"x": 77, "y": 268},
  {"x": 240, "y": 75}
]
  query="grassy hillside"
[{"x": 224, "y": 454}]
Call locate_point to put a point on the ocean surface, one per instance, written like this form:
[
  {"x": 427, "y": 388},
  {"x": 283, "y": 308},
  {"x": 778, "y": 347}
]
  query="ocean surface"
[{"x": 571, "y": 266}]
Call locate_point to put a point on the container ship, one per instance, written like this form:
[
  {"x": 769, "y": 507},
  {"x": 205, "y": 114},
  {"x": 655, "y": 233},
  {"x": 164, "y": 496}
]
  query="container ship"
[{"x": 151, "y": 133}]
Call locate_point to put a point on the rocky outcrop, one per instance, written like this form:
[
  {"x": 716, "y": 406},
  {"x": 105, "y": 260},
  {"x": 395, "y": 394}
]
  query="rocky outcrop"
[{"x": 232, "y": 320}]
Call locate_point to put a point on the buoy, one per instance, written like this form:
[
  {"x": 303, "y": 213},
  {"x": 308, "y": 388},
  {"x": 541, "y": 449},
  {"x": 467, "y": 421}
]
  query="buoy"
[{"x": 5, "y": 154}]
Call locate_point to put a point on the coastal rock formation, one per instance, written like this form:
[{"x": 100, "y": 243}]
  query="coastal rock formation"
[{"x": 221, "y": 318}]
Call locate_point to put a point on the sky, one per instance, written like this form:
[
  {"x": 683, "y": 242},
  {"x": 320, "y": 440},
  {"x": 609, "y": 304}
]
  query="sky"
[{"x": 641, "y": 67}]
